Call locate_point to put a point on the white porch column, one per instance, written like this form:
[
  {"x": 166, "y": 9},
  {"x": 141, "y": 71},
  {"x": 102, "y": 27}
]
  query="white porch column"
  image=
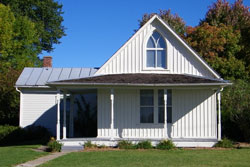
[
  {"x": 112, "y": 113},
  {"x": 165, "y": 113},
  {"x": 64, "y": 115},
  {"x": 71, "y": 116},
  {"x": 219, "y": 115},
  {"x": 58, "y": 98}
]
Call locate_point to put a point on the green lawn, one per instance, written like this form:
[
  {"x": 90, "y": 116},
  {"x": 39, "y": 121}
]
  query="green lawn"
[
  {"x": 154, "y": 158},
  {"x": 12, "y": 155}
]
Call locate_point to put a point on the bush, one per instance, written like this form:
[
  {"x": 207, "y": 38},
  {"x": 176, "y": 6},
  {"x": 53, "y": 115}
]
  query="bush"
[
  {"x": 236, "y": 111},
  {"x": 144, "y": 145},
  {"x": 6, "y": 131},
  {"x": 225, "y": 143},
  {"x": 126, "y": 145},
  {"x": 10, "y": 135},
  {"x": 165, "y": 145},
  {"x": 54, "y": 146},
  {"x": 88, "y": 144}
]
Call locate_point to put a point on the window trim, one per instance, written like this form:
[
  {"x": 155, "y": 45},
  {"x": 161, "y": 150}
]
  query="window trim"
[
  {"x": 156, "y": 108},
  {"x": 145, "y": 49}
]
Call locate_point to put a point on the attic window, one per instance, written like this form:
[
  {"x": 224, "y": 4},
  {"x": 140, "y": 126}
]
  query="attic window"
[{"x": 156, "y": 51}]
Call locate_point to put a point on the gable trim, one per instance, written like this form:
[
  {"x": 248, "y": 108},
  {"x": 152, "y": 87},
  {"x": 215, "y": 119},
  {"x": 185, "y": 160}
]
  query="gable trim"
[
  {"x": 200, "y": 59},
  {"x": 189, "y": 48},
  {"x": 125, "y": 44}
]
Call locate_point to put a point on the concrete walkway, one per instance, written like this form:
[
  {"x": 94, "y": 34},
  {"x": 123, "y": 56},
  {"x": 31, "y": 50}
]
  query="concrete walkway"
[{"x": 43, "y": 159}]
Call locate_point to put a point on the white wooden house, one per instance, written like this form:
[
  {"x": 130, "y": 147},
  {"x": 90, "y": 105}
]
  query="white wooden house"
[{"x": 154, "y": 87}]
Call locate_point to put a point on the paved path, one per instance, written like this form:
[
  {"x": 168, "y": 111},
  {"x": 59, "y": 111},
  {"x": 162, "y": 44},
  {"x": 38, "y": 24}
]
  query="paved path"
[{"x": 43, "y": 159}]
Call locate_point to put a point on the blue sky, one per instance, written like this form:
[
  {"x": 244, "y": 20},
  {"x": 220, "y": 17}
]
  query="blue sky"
[{"x": 97, "y": 28}]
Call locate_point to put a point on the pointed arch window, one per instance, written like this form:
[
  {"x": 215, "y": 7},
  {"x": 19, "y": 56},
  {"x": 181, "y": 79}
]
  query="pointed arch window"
[{"x": 156, "y": 51}]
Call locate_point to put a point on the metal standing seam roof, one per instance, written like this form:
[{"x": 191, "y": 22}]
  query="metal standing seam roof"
[{"x": 40, "y": 76}]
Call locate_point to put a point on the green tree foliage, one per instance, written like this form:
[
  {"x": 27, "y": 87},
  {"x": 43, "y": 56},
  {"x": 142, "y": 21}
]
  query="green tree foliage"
[
  {"x": 173, "y": 21},
  {"x": 236, "y": 15},
  {"x": 17, "y": 38},
  {"x": 27, "y": 27},
  {"x": 218, "y": 46},
  {"x": 46, "y": 16},
  {"x": 236, "y": 111}
]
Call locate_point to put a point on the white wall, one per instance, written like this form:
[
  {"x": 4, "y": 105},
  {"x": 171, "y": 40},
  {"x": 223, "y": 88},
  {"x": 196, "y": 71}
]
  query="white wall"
[
  {"x": 131, "y": 57},
  {"x": 194, "y": 115},
  {"x": 38, "y": 108}
]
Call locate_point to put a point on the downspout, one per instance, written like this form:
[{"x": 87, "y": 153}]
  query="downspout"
[
  {"x": 219, "y": 112},
  {"x": 21, "y": 106}
]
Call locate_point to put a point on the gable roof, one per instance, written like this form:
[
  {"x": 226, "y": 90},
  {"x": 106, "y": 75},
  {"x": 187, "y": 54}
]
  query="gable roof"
[
  {"x": 156, "y": 17},
  {"x": 143, "y": 80},
  {"x": 38, "y": 77}
]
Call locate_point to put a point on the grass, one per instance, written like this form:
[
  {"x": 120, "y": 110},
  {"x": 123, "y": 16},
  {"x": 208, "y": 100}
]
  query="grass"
[
  {"x": 148, "y": 158},
  {"x": 13, "y": 155}
]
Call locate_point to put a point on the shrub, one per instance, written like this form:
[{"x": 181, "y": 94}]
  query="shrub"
[
  {"x": 88, "y": 144},
  {"x": 54, "y": 146},
  {"x": 144, "y": 145},
  {"x": 225, "y": 143},
  {"x": 6, "y": 130},
  {"x": 126, "y": 145},
  {"x": 165, "y": 145},
  {"x": 16, "y": 135}
]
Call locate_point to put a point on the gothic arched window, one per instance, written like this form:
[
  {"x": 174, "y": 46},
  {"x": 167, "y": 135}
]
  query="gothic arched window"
[{"x": 156, "y": 51}]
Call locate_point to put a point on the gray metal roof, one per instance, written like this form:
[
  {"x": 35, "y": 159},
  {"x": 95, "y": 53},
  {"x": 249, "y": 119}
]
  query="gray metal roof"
[{"x": 40, "y": 76}]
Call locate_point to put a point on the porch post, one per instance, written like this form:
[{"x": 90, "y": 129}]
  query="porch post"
[
  {"x": 58, "y": 98},
  {"x": 71, "y": 116},
  {"x": 64, "y": 115},
  {"x": 112, "y": 113},
  {"x": 165, "y": 113},
  {"x": 219, "y": 114}
]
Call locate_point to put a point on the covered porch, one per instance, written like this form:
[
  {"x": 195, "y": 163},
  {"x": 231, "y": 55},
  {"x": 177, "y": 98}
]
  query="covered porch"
[{"x": 195, "y": 123}]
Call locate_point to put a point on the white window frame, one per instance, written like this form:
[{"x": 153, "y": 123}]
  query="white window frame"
[
  {"x": 144, "y": 64},
  {"x": 156, "y": 108}
]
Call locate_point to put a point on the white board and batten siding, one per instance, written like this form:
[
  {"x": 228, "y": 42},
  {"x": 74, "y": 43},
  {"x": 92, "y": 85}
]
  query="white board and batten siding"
[
  {"x": 193, "y": 115},
  {"x": 131, "y": 57}
]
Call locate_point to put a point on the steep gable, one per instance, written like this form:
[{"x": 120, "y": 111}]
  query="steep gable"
[{"x": 181, "y": 59}]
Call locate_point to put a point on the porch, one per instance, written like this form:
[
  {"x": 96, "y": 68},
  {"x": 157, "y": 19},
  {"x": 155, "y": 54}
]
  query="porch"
[{"x": 188, "y": 115}]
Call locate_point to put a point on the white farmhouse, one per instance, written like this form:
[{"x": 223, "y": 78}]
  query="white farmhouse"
[{"x": 154, "y": 87}]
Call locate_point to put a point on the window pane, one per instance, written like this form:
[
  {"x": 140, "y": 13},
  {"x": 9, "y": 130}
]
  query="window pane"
[
  {"x": 161, "y": 114},
  {"x": 169, "y": 102},
  {"x": 146, "y": 97},
  {"x": 156, "y": 35},
  {"x": 150, "y": 43},
  {"x": 147, "y": 115},
  {"x": 161, "y": 97},
  {"x": 161, "y": 58},
  {"x": 150, "y": 58},
  {"x": 161, "y": 43},
  {"x": 169, "y": 115}
]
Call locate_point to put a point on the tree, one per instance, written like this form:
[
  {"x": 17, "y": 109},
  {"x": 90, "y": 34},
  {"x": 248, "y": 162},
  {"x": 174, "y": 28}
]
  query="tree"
[
  {"x": 236, "y": 15},
  {"x": 46, "y": 15},
  {"x": 218, "y": 46},
  {"x": 17, "y": 38},
  {"x": 17, "y": 50},
  {"x": 235, "y": 111},
  {"x": 173, "y": 21}
]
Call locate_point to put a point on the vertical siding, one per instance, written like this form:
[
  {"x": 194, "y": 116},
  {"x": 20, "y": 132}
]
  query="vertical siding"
[
  {"x": 194, "y": 115},
  {"x": 131, "y": 57},
  {"x": 39, "y": 109}
]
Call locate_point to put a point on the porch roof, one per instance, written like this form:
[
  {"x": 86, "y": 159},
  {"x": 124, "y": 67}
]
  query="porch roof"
[{"x": 143, "y": 80}]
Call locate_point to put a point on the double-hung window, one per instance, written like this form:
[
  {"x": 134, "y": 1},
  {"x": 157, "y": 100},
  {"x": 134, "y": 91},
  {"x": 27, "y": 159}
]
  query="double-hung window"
[
  {"x": 152, "y": 104},
  {"x": 156, "y": 51}
]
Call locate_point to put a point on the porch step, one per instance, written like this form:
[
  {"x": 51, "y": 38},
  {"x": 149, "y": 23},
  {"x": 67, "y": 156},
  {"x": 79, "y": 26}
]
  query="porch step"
[{"x": 72, "y": 148}]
